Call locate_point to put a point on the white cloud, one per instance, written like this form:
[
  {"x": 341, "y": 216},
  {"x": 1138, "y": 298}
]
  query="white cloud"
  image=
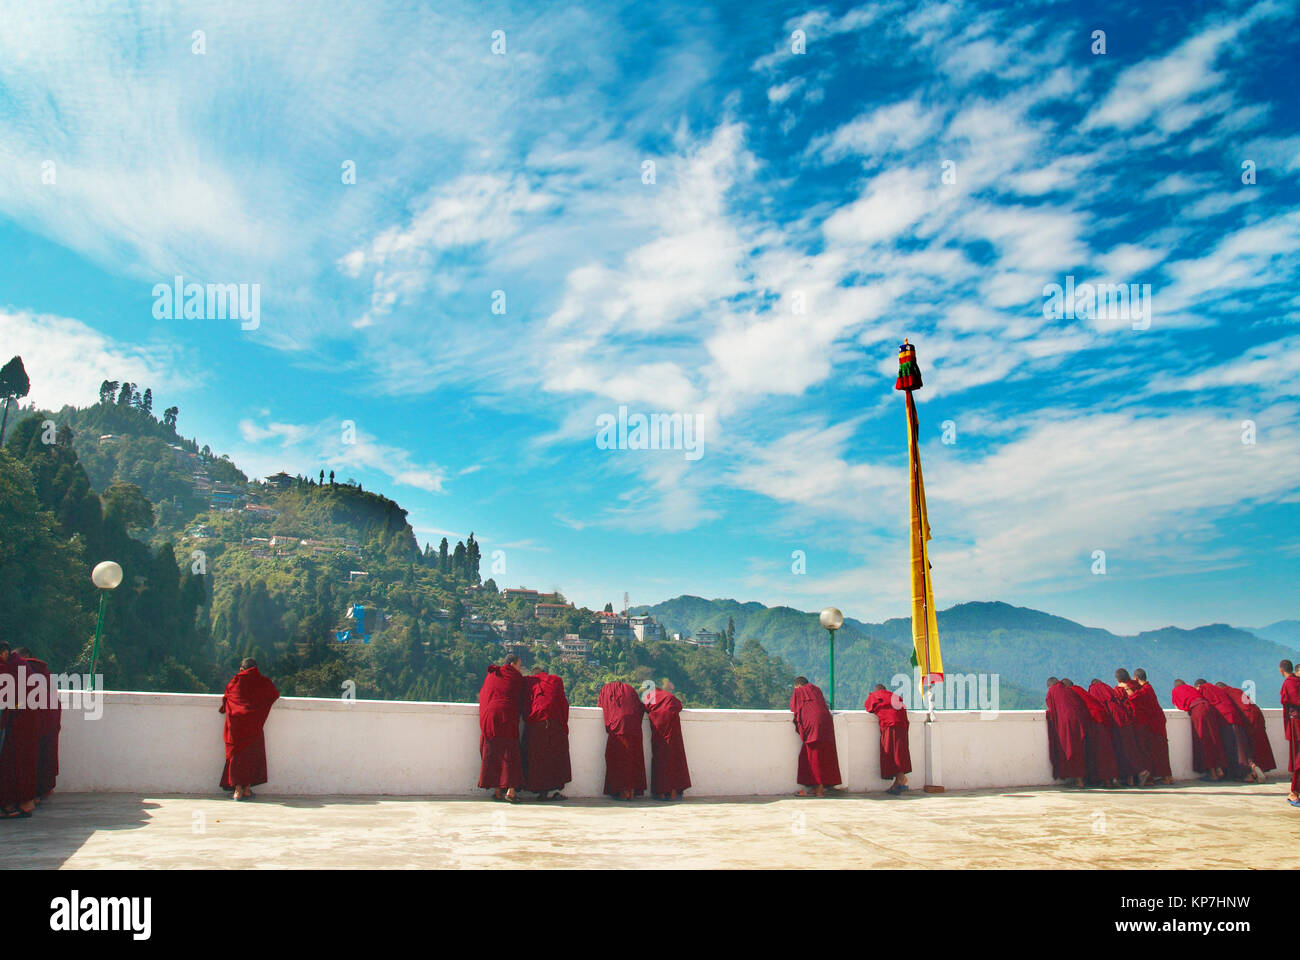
[{"x": 66, "y": 360}]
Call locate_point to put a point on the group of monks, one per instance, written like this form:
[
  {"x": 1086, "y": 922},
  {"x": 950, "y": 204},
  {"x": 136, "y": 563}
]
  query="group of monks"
[
  {"x": 1116, "y": 736},
  {"x": 29, "y": 734},
  {"x": 524, "y": 737},
  {"x": 1229, "y": 740}
]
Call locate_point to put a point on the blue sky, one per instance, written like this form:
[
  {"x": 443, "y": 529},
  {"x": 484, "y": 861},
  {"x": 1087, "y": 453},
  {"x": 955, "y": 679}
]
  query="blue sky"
[{"x": 917, "y": 170}]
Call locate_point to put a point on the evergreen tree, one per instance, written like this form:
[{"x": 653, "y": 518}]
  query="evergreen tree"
[{"x": 14, "y": 385}]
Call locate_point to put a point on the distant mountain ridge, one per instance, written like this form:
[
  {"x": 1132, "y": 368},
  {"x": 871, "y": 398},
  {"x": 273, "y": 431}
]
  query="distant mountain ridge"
[
  {"x": 1021, "y": 645},
  {"x": 1284, "y": 632}
]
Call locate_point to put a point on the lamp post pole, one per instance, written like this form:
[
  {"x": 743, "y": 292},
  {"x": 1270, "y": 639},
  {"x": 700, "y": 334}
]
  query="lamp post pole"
[
  {"x": 832, "y": 620},
  {"x": 106, "y": 576}
]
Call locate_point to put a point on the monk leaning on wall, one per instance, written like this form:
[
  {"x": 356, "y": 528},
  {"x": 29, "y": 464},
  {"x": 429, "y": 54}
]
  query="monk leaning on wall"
[
  {"x": 246, "y": 704},
  {"x": 895, "y": 753},
  {"x": 819, "y": 763}
]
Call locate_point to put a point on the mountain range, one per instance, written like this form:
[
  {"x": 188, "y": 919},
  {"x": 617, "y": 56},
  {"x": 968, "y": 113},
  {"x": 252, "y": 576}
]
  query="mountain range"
[{"x": 1022, "y": 646}]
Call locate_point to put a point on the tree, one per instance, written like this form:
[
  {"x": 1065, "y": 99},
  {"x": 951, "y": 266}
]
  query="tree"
[
  {"x": 107, "y": 391},
  {"x": 126, "y": 503},
  {"x": 169, "y": 417},
  {"x": 331, "y": 478},
  {"x": 124, "y": 397},
  {"x": 322, "y": 478},
  {"x": 444, "y": 563},
  {"x": 14, "y": 385},
  {"x": 146, "y": 402},
  {"x": 609, "y": 608},
  {"x": 731, "y": 636}
]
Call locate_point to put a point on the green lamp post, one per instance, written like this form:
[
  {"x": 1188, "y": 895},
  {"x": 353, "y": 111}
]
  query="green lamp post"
[
  {"x": 106, "y": 576},
  {"x": 832, "y": 620}
]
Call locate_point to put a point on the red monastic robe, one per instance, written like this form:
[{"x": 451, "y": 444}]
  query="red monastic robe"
[
  {"x": 1128, "y": 757},
  {"x": 20, "y": 753},
  {"x": 1261, "y": 749},
  {"x": 895, "y": 752},
  {"x": 1067, "y": 722},
  {"x": 1099, "y": 745},
  {"x": 1236, "y": 749},
  {"x": 624, "y": 753},
  {"x": 1150, "y": 718},
  {"x": 47, "y": 760},
  {"x": 1290, "y": 697},
  {"x": 546, "y": 734},
  {"x": 247, "y": 702},
  {"x": 1207, "y": 747},
  {"x": 668, "y": 770},
  {"x": 819, "y": 764},
  {"x": 500, "y": 703}
]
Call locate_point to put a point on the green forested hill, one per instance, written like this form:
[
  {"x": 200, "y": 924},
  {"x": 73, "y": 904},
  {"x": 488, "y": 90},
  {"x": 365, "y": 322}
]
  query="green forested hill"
[
  {"x": 206, "y": 586},
  {"x": 1023, "y": 646}
]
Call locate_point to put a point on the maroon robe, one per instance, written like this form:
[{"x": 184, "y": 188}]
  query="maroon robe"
[
  {"x": 819, "y": 764},
  {"x": 500, "y": 703},
  {"x": 1128, "y": 758},
  {"x": 668, "y": 770},
  {"x": 47, "y": 760},
  {"x": 1207, "y": 747},
  {"x": 895, "y": 751},
  {"x": 1236, "y": 749},
  {"x": 1290, "y": 697},
  {"x": 246, "y": 704},
  {"x": 1067, "y": 722},
  {"x": 1099, "y": 745},
  {"x": 1150, "y": 718},
  {"x": 624, "y": 752},
  {"x": 546, "y": 734},
  {"x": 1258, "y": 730},
  {"x": 20, "y": 753}
]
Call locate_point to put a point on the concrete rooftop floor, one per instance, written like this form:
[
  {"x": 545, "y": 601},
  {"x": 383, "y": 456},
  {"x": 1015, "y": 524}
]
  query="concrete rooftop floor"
[{"x": 1189, "y": 825}]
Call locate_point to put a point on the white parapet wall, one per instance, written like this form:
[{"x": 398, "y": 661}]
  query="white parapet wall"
[{"x": 171, "y": 743}]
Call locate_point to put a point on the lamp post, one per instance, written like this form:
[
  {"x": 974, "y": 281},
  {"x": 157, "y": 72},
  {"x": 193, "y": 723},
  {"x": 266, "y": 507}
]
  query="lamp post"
[
  {"x": 106, "y": 576},
  {"x": 832, "y": 620}
]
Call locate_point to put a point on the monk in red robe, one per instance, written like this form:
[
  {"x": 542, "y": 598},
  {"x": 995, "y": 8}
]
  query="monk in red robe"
[
  {"x": 1128, "y": 758},
  {"x": 669, "y": 775},
  {"x": 1290, "y": 697},
  {"x": 247, "y": 703},
  {"x": 20, "y": 728},
  {"x": 819, "y": 763},
  {"x": 895, "y": 751},
  {"x": 1150, "y": 718},
  {"x": 1099, "y": 745},
  {"x": 1067, "y": 728},
  {"x": 1208, "y": 756},
  {"x": 1237, "y": 748},
  {"x": 1261, "y": 749},
  {"x": 624, "y": 753},
  {"x": 47, "y": 755},
  {"x": 500, "y": 704},
  {"x": 546, "y": 736}
]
